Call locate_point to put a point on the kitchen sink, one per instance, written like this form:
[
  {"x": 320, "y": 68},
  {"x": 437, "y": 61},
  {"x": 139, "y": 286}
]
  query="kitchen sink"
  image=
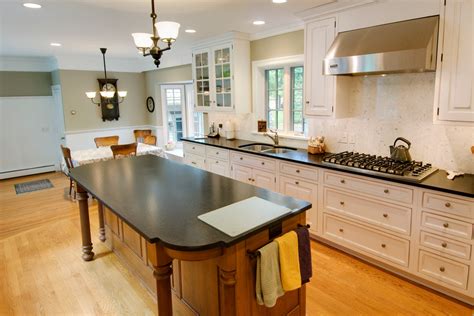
[{"x": 267, "y": 148}]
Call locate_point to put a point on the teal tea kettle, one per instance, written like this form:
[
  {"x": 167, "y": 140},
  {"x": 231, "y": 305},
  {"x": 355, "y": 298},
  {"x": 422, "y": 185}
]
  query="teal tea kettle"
[{"x": 400, "y": 152}]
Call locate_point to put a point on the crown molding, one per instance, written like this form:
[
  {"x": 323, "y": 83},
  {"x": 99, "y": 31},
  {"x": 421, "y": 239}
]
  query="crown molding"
[
  {"x": 330, "y": 8},
  {"x": 36, "y": 64},
  {"x": 277, "y": 31},
  {"x": 216, "y": 40}
]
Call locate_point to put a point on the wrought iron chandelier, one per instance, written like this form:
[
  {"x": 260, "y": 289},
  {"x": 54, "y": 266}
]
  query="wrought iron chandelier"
[
  {"x": 106, "y": 92},
  {"x": 147, "y": 43}
]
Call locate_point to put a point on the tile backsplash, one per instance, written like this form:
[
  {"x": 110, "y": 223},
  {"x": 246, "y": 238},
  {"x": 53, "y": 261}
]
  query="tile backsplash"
[{"x": 380, "y": 110}]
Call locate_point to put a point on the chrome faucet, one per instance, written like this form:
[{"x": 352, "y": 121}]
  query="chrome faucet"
[{"x": 275, "y": 138}]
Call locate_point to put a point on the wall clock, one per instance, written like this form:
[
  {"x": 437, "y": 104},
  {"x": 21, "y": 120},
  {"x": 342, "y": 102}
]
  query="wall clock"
[
  {"x": 150, "y": 104},
  {"x": 109, "y": 107}
]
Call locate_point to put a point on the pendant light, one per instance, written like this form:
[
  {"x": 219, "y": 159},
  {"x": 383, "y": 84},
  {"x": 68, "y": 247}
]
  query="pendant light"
[
  {"x": 147, "y": 43},
  {"x": 105, "y": 92}
]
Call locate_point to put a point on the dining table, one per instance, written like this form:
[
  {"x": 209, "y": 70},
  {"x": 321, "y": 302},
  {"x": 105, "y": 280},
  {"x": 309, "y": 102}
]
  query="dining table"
[
  {"x": 87, "y": 156},
  {"x": 104, "y": 153}
]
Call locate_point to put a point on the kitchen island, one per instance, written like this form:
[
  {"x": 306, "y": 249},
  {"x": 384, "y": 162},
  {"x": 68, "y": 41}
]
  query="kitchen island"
[{"x": 151, "y": 206}]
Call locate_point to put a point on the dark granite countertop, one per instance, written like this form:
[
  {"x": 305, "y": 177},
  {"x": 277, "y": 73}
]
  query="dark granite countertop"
[
  {"x": 463, "y": 185},
  {"x": 161, "y": 199}
]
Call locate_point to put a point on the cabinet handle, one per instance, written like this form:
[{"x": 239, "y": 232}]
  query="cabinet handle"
[
  {"x": 447, "y": 204},
  {"x": 342, "y": 203},
  {"x": 194, "y": 147},
  {"x": 341, "y": 230},
  {"x": 297, "y": 171},
  {"x": 193, "y": 162},
  {"x": 442, "y": 269},
  {"x": 386, "y": 191},
  {"x": 297, "y": 182},
  {"x": 263, "y": 163},
  {"x": 250, "y": 179},
  {"x": 383, "y": 245},
  {"x": 217, "y": 161},
  {"x": 385, "y": 215},
  {"x": 444, "y": 245},
  {"x": 241, "y": 158},
  {"x": 446, "y": 225},
  {"x": 343, "y": 181},
  {"x": 307, "y": 102},
  {"x": 253, "y": 180},
  {"x": 217, "y": 153}
]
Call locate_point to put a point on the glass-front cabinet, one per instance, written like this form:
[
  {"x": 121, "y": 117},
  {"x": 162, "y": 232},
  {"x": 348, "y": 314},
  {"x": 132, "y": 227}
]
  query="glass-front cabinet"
[
  {"x": 221, "y": 74},
  {"x": 202, "y": 78}
]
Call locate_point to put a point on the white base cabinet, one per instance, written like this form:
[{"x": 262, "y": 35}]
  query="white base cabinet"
[{"x": 424, "y": 235}]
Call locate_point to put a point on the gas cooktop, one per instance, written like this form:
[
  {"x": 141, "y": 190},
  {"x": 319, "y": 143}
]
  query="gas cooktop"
[{"x": 413, "y": 171}]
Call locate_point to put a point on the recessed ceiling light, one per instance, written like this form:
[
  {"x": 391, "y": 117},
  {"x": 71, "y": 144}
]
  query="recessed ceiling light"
[
  {"x": 258, "y": 22},
  {"x": 279, "y": 1},
  {"x": 55, "y": 44},
  {"x": 190, "y": 31},
  {"x": 32, "y": 5}
]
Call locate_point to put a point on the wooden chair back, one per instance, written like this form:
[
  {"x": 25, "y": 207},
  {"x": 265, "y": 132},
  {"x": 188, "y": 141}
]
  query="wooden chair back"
[
  {"x": 126, "y": 150},
  {"x": 150, "y": 140},
  {"x": 67, "y": 157},
  {"x": 140, "y": 134},
  {"x": 106, "y": 141}
]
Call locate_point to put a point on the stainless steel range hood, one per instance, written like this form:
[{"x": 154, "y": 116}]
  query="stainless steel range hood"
[{"x": 408, "y": 46}]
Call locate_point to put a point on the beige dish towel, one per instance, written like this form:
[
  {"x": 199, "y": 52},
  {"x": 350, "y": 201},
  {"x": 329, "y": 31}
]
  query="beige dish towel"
[{"x": 268, "y": 282}]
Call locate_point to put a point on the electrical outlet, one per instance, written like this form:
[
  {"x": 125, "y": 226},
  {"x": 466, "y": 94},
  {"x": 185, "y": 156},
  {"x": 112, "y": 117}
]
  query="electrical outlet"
[
  {"x": 352, "y": 138},
  {"x": 343, "y": 138}
]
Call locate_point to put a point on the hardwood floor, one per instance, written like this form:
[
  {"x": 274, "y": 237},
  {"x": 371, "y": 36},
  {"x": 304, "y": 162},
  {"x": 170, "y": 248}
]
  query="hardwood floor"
[{"x": 41, "y": 271}]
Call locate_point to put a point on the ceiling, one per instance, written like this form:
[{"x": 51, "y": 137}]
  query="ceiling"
[{"x": 82, "y": 26}]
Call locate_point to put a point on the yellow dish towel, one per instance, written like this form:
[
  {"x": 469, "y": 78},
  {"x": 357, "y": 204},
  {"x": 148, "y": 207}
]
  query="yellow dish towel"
[{"x": 289, "y": 261}]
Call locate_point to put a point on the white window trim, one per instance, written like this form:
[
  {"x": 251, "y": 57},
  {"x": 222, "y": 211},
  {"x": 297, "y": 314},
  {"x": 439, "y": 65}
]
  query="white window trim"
[{"x": 258, "y": 87}]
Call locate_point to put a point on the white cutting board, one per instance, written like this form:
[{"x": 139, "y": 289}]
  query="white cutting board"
[{"x": 240, "y": 217}]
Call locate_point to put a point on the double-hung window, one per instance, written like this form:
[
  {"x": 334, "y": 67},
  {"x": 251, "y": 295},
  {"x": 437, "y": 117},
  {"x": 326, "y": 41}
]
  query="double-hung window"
[{"x": 278, "y": 94}]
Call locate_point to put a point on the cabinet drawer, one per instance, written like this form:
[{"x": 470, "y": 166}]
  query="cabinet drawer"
[
  {"x": 443, "y": 270},
  {"x": 217, "y": 153},
  {"x": 218, "y": 166},
  {"x": 195, "y": 161},
  {"x": 384, "y": 215},
  {"x": 298, "y": 171},
  {"x": 253, "y": 161},
  {"x": 445, "y": 245},
  {"x": 358, "y": 237},
  {"x": 447, "y": 225},
  {"x": 195, "y": 149},
  {"x": 448, "y": 205},
  {"x": 302, "y": 190},
  {"x": 379, "y": 189}
]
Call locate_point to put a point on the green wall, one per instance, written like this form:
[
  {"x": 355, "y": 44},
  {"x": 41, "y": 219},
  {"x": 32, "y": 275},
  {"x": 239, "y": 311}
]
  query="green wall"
[
  {"x": 18, "y": 83},
  {"x": 282, "y": 45}
]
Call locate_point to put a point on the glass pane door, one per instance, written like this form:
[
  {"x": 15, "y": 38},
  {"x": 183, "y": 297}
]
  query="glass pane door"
[
  {"x": 201, "y": 62},
  {"x": 175, "y": 112},
  {"x": 223, "y": 86}
]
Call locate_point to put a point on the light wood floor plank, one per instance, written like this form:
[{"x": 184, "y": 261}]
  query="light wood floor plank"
[{"x": 42, "y": 273}]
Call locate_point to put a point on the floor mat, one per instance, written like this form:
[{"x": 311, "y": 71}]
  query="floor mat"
[{"x": 37, "y": 185}]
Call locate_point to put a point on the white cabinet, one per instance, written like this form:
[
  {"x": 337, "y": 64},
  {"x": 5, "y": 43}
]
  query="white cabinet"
[
  {"x": 319, "y": 89},
  {"x": 455, "y": 65},
  {"x": 242, "y": 173},
  {"x": 257, "y": 177},
  {"x": 221, "y": 73},
  {"x": 217, "y": 166}
]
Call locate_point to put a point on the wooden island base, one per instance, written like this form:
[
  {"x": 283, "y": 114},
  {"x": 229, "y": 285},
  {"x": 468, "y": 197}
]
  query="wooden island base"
[{"x": 218, "y": 281}]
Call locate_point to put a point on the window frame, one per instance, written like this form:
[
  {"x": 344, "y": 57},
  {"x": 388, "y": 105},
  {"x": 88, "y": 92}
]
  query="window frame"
[{"x": 259, "y": 89}]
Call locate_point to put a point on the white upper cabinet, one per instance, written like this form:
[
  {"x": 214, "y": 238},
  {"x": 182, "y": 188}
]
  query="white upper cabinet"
[
  {"x": 221, "y": 73},
  {"x": 455, "y": 66},
  {"x": 319, "y": 89}
]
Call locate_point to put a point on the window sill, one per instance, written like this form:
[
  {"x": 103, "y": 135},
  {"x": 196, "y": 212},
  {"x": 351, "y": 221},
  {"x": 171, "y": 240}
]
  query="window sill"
[{"x": 287, "y": 136}]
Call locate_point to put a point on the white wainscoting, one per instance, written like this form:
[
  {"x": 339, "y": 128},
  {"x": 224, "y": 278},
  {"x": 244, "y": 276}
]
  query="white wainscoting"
[{"x": 84, "y": 139}]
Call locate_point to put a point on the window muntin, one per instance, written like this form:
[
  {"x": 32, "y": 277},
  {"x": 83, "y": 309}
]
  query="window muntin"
[
  {"x": 274, "y": 98},
  {"x": 297, "y": 122}
]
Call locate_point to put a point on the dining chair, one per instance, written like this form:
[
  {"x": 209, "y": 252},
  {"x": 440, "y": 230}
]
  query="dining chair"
[
  {"x": 67, "y": 158},
  {"x": 140, "y": 134},
  {"x": 106, "y": 141},
  {"x": 150, "y": 140},
  {"x": 126, "y": 150}
]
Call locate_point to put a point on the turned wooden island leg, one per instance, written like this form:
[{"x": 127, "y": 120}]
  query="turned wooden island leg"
[
  {"x": 82, "y": 198},
  {"x": 100, "y": 208},
  {"x": 227, "y": 281},
  {"x": 162, "y": 270}
]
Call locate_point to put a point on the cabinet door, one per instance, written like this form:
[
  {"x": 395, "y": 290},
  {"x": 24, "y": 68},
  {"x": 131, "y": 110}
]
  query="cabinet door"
[
  {"x": 303, "y": 190},
  {"x": 223, "y": 77},
  {"x": 456, "y": 84},
  {"x": 319, "y": 89},
  {"x": 264, "y": 179},
  {"x": 202, "y": 79},
  {"x": 242, "y": 173}
]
